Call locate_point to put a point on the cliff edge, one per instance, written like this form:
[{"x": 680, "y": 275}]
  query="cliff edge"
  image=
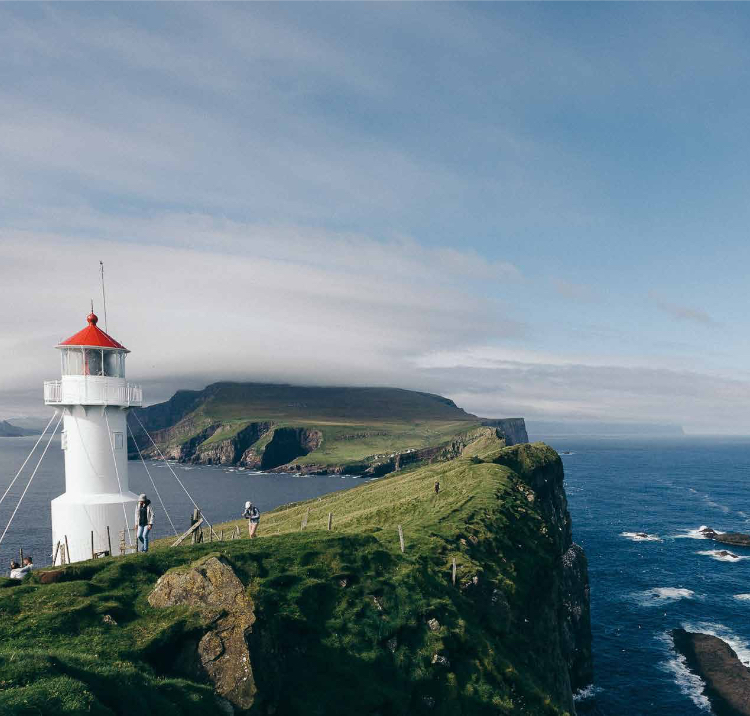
[{"x": 308, "y": 621}]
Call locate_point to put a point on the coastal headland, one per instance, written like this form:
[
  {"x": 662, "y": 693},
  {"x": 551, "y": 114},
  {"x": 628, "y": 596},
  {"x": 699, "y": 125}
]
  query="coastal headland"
[
  {"x": 307, "y": 620},
  {"x": 318, "y": 430}
]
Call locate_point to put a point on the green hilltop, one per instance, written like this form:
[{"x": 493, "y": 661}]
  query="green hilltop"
[
  {"x": 345, "y": 623},
  {"x": 312, "y": 429}
]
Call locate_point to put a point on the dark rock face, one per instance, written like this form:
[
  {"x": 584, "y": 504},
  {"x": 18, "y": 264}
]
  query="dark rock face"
[
  {"x": 222, "y": 653},
  {"x": 570, "y": 586},
  {"x": 738, "y": 539},
  {"x": 512, "y": 429},
  {"x": 727, "y": 679},
  {"x": 287, "y": 444},
  {"x": 233, "y": 449}
]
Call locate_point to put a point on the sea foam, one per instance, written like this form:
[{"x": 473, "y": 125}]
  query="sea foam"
[
  {"x": 640, "y": 537},
  {"x": 689, "y": 683},
  {"x": 717, "y": 554},
  {"x": 661, "y": 595}
]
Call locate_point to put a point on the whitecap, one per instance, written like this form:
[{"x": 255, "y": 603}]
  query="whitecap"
[
  {"x": 640, "y": 537},
  {"x": 742, "y": 597},
  {"x": 588, "y": 692},
  {"x": 693, "y": 534},
  {"x": 661, "y": 595},
  {"x": 722, "y": 555},
  {"x": 689, "y": 683}
]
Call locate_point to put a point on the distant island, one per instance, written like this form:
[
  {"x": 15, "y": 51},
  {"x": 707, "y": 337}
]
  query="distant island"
[
  {"x": 312, "y": 430},
  {"x": 8, "y": 430}
]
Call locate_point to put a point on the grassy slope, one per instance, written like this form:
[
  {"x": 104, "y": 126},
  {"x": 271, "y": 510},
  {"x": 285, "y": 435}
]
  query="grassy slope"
[
  {"x": 377, "y": 420},
  {"x": 318, "y": 647}
]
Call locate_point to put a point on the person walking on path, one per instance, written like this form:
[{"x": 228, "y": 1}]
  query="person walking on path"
[
  {"x": 144, "y": 521},
  {"x": 252, "y": 515}
]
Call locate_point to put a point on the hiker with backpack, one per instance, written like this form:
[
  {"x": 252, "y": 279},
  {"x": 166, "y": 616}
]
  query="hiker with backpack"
[{"x": 252, "y": 515}]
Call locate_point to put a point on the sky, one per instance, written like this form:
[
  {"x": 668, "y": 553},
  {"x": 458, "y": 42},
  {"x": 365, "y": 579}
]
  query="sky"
[{"x": 536, "y": 209}]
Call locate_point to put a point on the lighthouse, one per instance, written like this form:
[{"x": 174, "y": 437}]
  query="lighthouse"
[{"x": 94, "y": 397}]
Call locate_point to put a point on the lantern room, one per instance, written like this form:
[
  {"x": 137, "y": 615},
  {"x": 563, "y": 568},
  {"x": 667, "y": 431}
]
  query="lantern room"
[{"x": 93, "y": 370}]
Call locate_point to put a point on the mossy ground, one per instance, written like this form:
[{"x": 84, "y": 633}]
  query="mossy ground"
[{"x": 342, "y": 616}]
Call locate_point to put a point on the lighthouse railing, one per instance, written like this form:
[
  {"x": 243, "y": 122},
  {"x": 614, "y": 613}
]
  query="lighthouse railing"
[{"x": 88, "y": 390}]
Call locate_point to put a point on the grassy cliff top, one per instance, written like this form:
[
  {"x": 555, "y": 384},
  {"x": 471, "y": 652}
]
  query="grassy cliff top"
[{"x": 343, "y": 617}]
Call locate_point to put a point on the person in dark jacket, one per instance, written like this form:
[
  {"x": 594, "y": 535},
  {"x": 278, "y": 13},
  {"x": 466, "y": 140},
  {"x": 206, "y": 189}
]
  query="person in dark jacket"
[
  {"x": 252, "y": 515},
  {"x": 144, "y": 521}
]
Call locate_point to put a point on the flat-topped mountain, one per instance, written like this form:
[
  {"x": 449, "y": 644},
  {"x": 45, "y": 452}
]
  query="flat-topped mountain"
[{"x": 311, "y": 429}]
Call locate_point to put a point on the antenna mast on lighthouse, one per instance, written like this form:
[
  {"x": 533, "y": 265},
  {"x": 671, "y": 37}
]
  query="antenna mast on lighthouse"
[{"x": 104, "y": 297}]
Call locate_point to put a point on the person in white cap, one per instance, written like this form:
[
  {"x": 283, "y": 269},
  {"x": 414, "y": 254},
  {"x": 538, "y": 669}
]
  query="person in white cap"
[
  {"x": 144, "y": 521},
  {"x": 252, "y": 515}
]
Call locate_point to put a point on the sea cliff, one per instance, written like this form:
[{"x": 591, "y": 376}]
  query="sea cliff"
[
  {"x": 337, "y": 622},
  {"x": 311, "y": 430}
]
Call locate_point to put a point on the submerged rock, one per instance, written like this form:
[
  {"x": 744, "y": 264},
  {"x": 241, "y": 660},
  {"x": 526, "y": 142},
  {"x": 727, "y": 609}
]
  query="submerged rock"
[
  {"x": 727, "y": 679},
  {"x": 211, "y": 585},
  {"x": 738, "y": 539}
]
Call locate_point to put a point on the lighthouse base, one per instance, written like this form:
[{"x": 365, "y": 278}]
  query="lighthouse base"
[{"x": 75, "y": 517}]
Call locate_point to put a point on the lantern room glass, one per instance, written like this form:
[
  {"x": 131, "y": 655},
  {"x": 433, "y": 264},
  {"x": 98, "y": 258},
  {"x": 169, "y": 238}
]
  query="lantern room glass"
[{"x": 93, "y": 361}]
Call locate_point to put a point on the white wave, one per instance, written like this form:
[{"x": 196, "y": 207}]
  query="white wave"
[
  {"x": 722, "y": 555},
  {"x": 587, "y": 692},
  {"x": 742, "y": 597},
  {"x": 740, "y": 645},
  {"x": 661, "y": 595},
  {"x": 640, "y": 537},
  {"x": 689, "y": 683},
  {"x": 693, "y": 534}
]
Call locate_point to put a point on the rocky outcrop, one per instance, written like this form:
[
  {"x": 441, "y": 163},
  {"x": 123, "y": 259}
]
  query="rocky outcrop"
[
  {"x": 512, "y": 429},
  {"x": 222, "y": 654},
  {"x": 737, "y": 539},
  {"x": 234, "y": 449},
  {"x": 543, "y": 476},
  {"x": 726, "y": 678},
  {"x": 287, "y": 444}
]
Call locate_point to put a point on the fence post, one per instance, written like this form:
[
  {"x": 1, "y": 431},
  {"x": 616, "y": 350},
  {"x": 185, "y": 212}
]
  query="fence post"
[
  {"x": 67, "y": 551},
  {"x": 92, "y": 544},
  {"x": 222, "y": 535},
  {"x": 401, "y": 537},
  {"x": 20, "y": 553},
  {"x": 57, "y": 549},
  {"x": 330, "y": 519},
  {"x": 109, "y": 542},
  {"x": 454, "y": 571},
  {"x": 193, "y": 519}
]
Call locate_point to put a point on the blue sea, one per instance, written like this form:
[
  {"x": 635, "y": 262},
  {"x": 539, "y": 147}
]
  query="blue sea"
[{"x": 641, "y": 588}]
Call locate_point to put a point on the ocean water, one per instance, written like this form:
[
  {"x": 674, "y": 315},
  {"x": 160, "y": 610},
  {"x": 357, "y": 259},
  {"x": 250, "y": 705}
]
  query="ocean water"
[
  {"x": 220, "y": 492},
  {"x": 641, "y": 588}
]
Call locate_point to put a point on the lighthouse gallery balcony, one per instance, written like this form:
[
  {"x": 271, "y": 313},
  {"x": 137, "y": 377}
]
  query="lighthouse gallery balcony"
[{"x": 92, "y": 390}]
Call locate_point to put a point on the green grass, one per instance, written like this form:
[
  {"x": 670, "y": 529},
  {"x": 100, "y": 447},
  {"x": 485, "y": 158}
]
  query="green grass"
[{"x": 342, "y": 616}]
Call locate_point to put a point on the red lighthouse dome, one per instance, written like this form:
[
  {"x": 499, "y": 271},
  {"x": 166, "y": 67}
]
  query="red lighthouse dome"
[{"x": 92, "y": 337}]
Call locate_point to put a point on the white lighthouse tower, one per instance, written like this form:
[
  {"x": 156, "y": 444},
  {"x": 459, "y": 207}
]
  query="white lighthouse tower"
[{"x": 95, "y": 398}]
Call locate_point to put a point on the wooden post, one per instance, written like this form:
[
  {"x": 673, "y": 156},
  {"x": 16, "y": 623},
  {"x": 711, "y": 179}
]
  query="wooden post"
[
  {"x": 57, "y": 549},
  {"x": 67, "y": 551},
  {"x": 193, "y": 520},
  {"x": 191, "y": 531},
  {"x": 401, "y": 537},
  {"x": 109, "y": 542},
  {"x": 20, "y": 553},
  {"x": 330, "y": 519},
  {"x": 222, "y": 535},
  {"x": 92, "y": 544},
  {"x": 454, "y": 571}
]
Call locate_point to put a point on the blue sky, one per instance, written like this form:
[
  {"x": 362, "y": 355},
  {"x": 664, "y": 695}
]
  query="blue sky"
[{"x": 537, "y": 209}]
